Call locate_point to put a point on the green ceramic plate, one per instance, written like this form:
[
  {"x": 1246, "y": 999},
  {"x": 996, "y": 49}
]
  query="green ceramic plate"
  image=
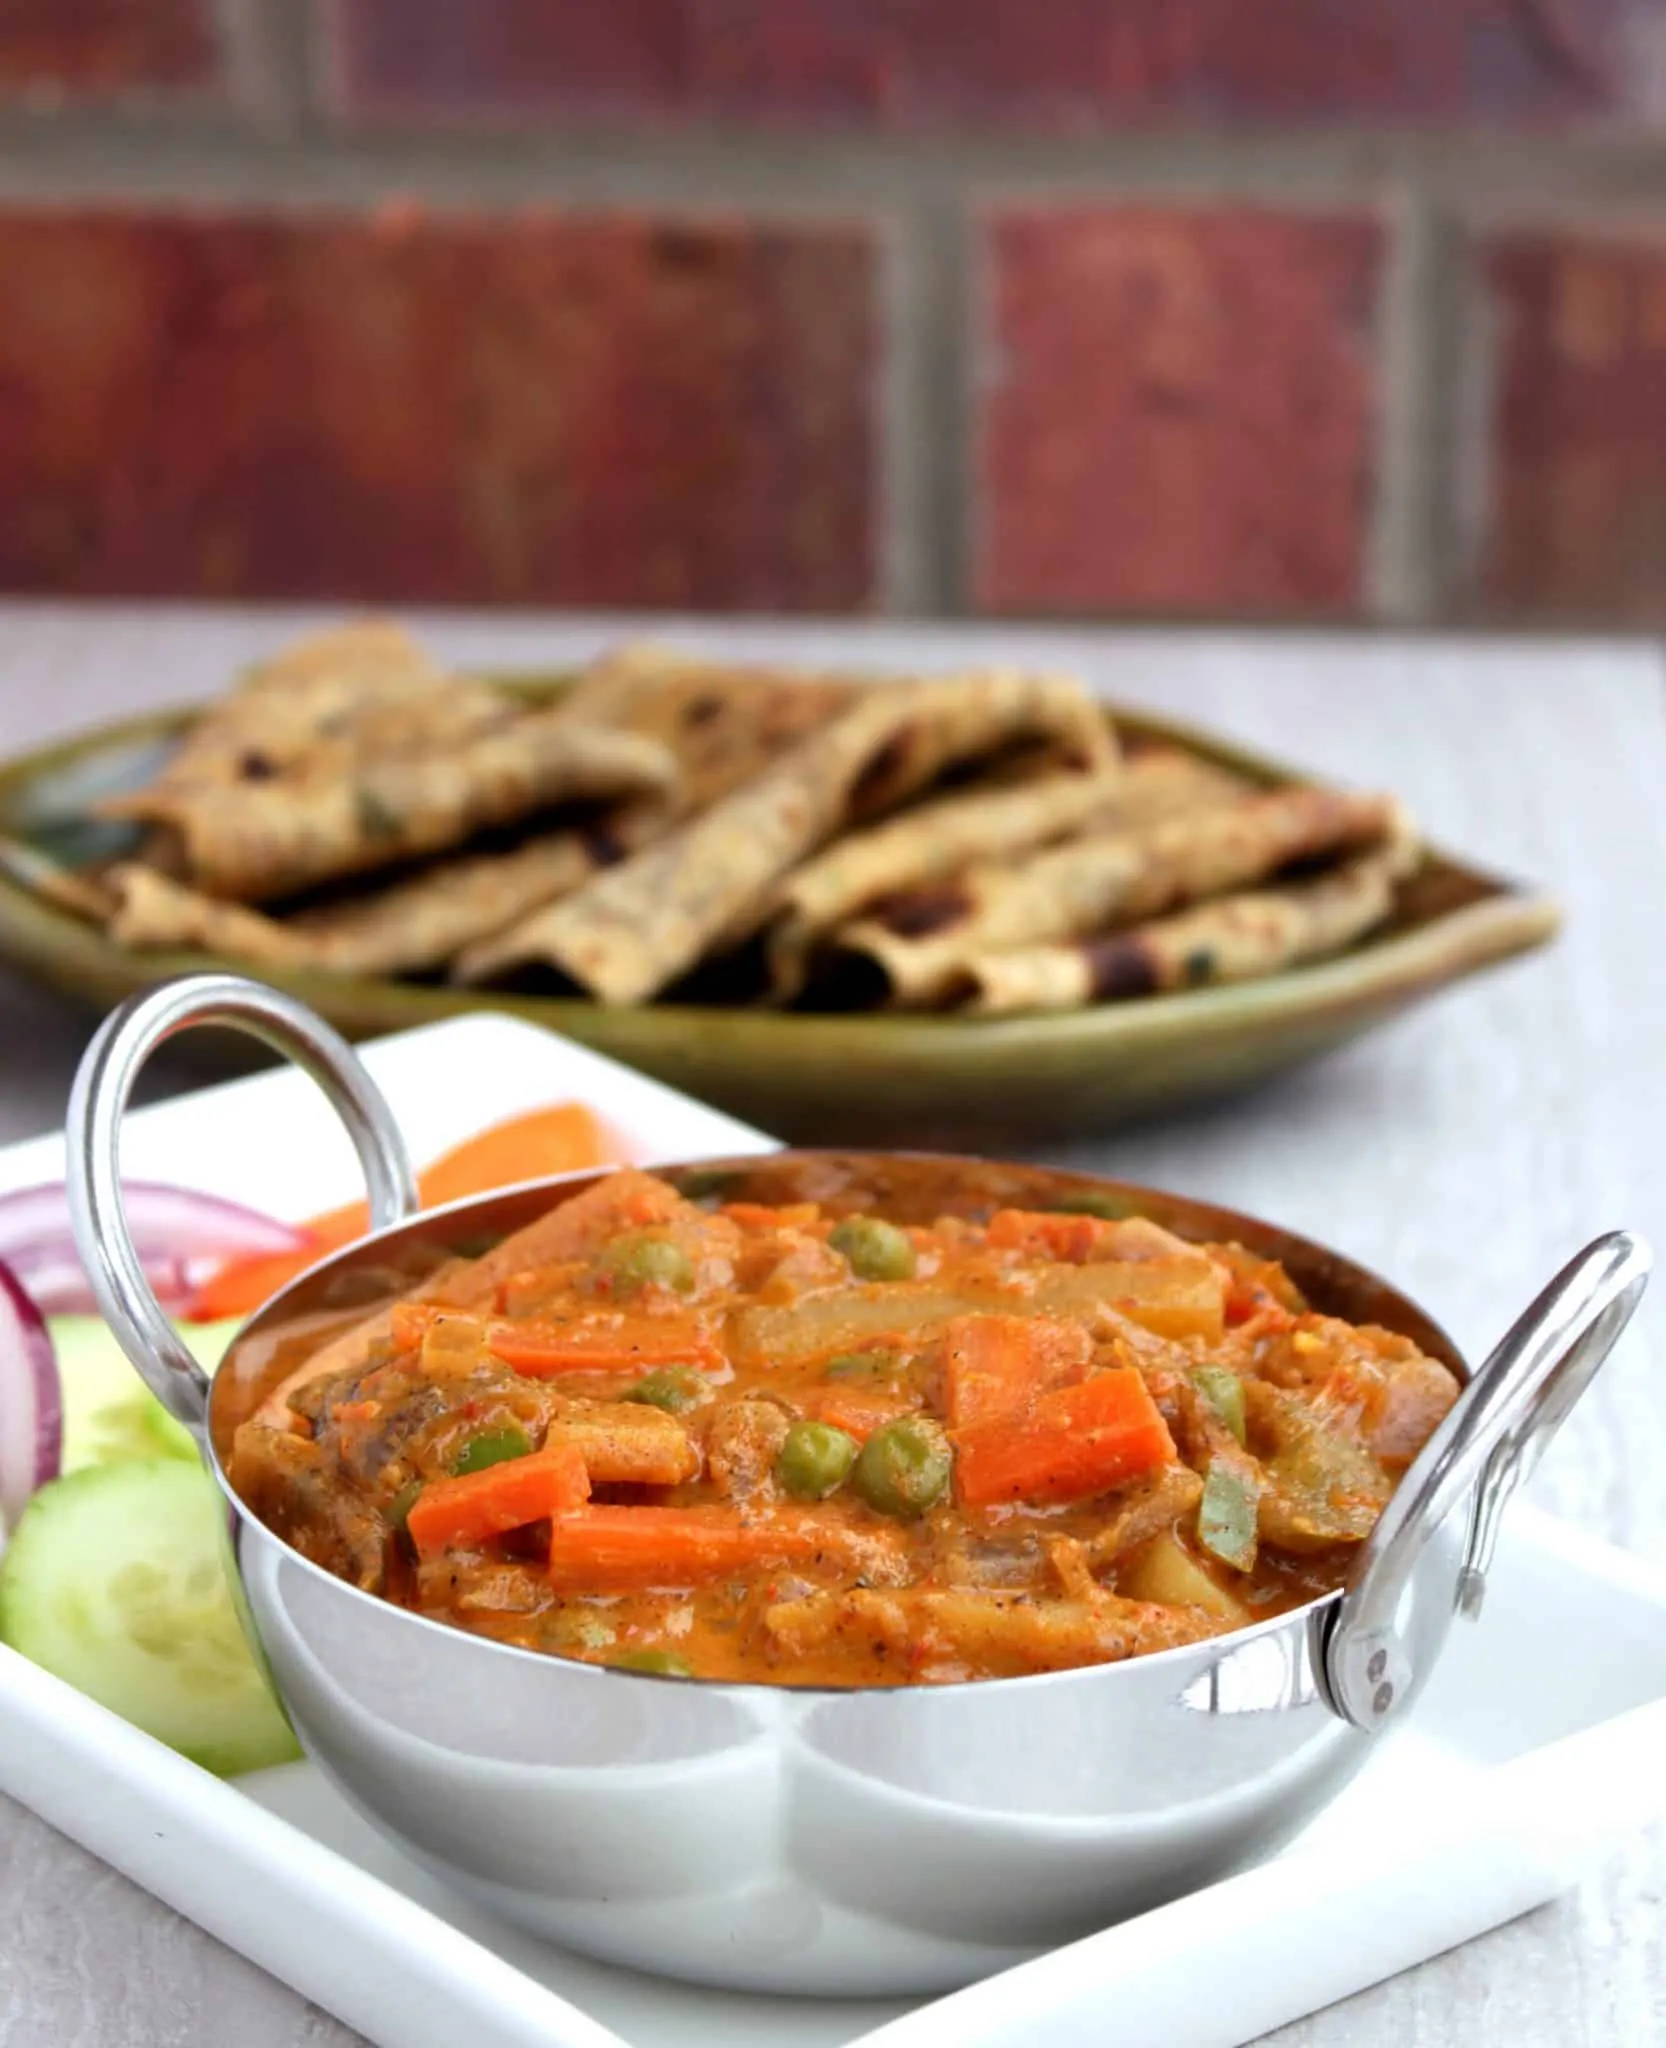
[{"x": 812, "y": 1077}]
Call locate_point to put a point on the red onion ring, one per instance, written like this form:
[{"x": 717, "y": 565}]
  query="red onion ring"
[
  {"x": 31, "y": 1400},
  {"x": 179, "y": 1234}
]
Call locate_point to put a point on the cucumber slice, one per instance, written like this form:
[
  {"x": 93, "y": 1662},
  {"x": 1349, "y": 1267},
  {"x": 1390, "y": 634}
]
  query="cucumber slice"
[
  {"x": 109, "y": 1412},
  {"x": 113, "y": 1581}
]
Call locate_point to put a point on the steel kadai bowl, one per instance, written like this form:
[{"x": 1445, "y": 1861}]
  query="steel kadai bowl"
[{"x": 827, "y": 1842}]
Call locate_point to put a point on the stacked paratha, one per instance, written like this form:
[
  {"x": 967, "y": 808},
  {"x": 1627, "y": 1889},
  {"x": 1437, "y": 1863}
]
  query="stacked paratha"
[{"x": 672, "y": 826}]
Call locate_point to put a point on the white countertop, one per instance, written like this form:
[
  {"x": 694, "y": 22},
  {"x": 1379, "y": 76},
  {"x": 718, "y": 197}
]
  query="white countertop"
[{"x": 1466, "y": 1151}]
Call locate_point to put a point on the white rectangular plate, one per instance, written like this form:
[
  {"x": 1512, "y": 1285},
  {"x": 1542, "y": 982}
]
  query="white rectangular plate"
[{"x": 1519, "y": 1772}]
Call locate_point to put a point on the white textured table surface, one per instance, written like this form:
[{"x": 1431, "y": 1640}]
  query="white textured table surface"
[{"x": 1465, "y": 1151}]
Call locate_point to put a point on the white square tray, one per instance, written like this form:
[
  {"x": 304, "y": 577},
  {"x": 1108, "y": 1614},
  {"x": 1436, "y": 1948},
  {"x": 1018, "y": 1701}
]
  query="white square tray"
[{"x": 1519, "y": 1771}]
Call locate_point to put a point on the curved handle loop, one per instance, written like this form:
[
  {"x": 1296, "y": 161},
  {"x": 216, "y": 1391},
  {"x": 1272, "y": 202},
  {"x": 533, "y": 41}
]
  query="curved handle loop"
[
  {"x": 1487, "y": 1446},
  {"x": 103, "y": 1084}
]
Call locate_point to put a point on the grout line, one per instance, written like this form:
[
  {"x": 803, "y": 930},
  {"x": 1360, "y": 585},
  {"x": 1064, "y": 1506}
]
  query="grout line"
[
  {"x": 290, "y": 32},
  {"x": 982, "y": 371},
  {"x": 318, "y": 38},
  {"x": 240, "y": 37},
  {"x": 1472, "y": 352},
  {"x": 1402, "y": 578},
  {"x": 182, "y": 151},
  {"x": 1457, "y": 347},
  {"x": 904, "y": 321},
  {"x": 953, "y": 421},
  {"x": 924, "y": 487}
]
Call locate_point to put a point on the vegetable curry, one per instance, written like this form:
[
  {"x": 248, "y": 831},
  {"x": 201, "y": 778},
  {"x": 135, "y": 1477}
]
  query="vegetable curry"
[{"x": 810, "y": 1442}]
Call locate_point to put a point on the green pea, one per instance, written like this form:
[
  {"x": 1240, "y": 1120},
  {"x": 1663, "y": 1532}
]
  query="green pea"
[
  {"x": 491, "y": 1447},
  {"x": 675, "y": 1388},
  {"x": 1224, "y": 1391},
  {"x": 860, "y": 1365},
  {"x": 641, "y": 1261},
  {"x": 877, "y": 1250},
  {"x": 662, "y": 1663},
  {"x": 815, "y": 1460},
  {"x": 904, "y": 1468}
]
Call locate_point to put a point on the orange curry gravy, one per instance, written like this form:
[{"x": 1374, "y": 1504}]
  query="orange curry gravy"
[{"x": 800, "y": 1445}]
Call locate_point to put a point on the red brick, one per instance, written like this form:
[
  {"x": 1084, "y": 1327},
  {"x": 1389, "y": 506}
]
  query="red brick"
[
  {"x": 1040, "y": 63},
  {"x": 1575, "y": 524},
  {"x": 62, "y": 50},
  {"x": 1177, "y": 411},
  {"x": 551, "y": 408}
]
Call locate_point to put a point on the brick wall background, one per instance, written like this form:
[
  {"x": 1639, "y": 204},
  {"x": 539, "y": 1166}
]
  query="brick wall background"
[{"x": 1242, "y": 309}]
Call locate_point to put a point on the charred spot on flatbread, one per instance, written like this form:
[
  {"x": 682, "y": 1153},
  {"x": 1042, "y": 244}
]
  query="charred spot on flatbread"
[
  {"x": 1118, "y": 969},
  {"x": 885, "y": 773},
  {"x": 605, "y": 843},
  {"x": 916, "y": 912}
]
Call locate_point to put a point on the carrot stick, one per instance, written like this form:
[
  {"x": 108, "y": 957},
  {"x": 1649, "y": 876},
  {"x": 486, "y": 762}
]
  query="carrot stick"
[
  {"x": 1074, "y": 1442},
  {"x": 995, "y": 1364},
  {"x": 760, "y": 1216},
  {"x": 541, "y": 1350},
  {"x": 244, "y": 1285},
  {"x": 506, "y": 1496},
  {"x": 624, "y": 1550},
  {"x": 559, "y": 1139}
]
